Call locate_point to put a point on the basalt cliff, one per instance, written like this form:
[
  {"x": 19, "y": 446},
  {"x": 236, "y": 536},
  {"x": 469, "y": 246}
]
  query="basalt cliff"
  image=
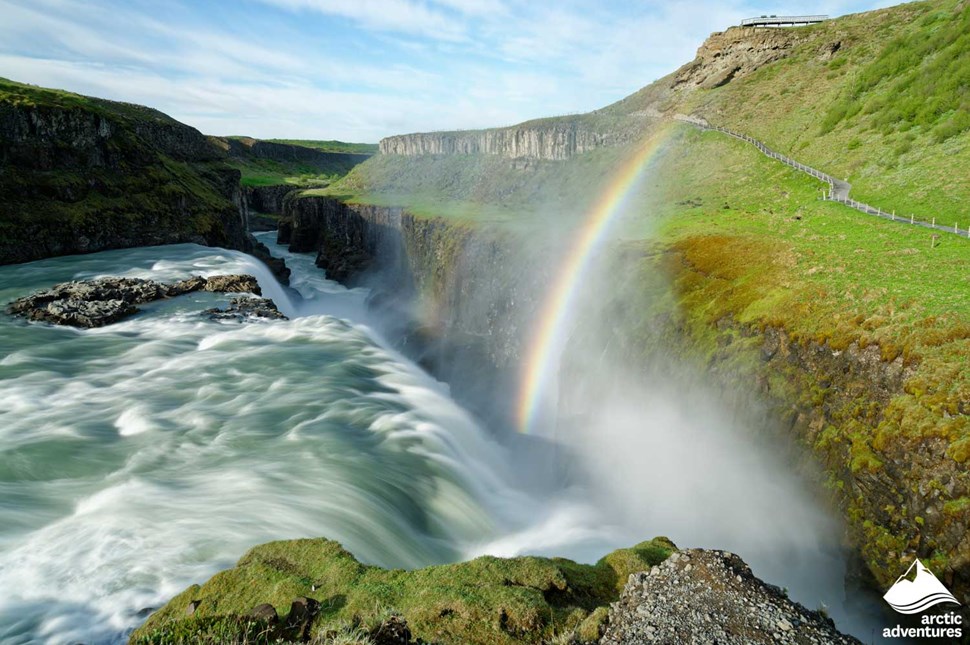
[{"x": 79, "y": 175}]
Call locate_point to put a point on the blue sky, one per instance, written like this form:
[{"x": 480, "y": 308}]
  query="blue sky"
[{"x": 360, "y": 70}]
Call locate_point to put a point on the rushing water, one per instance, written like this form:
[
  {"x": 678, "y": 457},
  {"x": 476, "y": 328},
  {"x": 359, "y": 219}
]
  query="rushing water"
[
  {"x": 145, "y": 456},
  {"x": 142, "y": 457}
]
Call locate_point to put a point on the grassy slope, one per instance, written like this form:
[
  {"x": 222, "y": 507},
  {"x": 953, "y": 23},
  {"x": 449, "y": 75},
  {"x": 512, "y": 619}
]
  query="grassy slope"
[
  {"x": 486, "y": 601},
  {"x": 331, "y": 145},
  {"x": 890, "y": 111},
  {"x": 24, "y": 95},
  {"x": 270, "y": 172}
]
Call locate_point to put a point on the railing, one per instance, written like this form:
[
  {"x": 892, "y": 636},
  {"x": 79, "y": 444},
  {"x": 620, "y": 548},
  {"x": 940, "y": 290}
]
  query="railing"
[
  {"x": 766, "y": 21},
  {"x": 829, "y": 179}
]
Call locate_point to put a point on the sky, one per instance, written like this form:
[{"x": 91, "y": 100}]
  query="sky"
[{"x": 359, "y": 70}]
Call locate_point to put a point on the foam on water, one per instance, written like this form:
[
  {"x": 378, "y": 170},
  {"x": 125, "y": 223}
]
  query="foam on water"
[{"x": 142, "y": 457}]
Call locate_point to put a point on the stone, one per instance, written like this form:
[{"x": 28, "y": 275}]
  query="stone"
[
  {"x": 102, "y": 301},
  {"x": 192, "y": 607},
  {"x": 242, "y": 309},
  {"x": 266, "y": 613},
  {"x": 392, "y": 631},
  {"x": 233, "y": 284},
  {"x": 300, "y": 617},
  {"x": 708, "y": 597},
  {"x": 195, "y": 283}
]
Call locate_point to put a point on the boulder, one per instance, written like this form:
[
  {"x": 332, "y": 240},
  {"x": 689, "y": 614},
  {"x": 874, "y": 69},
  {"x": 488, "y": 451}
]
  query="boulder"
[
  {"x": 241, "y": 309},
  {"x": 102, "y": 301},
  {"x": 233, "y": 283}
]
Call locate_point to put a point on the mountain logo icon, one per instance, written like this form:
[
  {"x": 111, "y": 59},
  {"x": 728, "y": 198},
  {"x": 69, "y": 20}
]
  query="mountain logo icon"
[{"x": 919, "y": 594}]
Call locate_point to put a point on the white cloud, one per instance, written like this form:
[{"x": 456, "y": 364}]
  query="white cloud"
[
  {"x": 363, "y": 69},
  {"x": 386, "y": 15}
]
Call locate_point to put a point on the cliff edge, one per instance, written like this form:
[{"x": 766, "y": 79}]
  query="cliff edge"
[{"x": 80, "y": 174}]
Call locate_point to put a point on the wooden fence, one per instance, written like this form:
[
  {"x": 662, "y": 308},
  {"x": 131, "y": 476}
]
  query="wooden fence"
[{"x": 838, "y": 190}]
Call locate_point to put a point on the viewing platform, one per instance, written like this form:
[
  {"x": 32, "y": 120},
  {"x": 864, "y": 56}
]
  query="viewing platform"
[{"x": 782, "y": 21}]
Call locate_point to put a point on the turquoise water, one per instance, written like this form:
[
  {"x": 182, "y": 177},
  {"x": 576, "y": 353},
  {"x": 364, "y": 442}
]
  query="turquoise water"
[{"x": 143, "y": 457}]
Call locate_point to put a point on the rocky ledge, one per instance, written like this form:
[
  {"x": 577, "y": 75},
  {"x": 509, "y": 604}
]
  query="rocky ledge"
[
  {"x": 102, "y": 301},
  {"x": 315, "y": 591},
  {"x": 698, "y": 596},
  {"x": 242, "y": 309}
]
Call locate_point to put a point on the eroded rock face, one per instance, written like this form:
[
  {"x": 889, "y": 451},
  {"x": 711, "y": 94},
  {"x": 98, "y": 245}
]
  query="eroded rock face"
[
  {"x": 734, "y": 53},
  {"x": 100, "y": 302},
  {"x": 699, "y": 596}
]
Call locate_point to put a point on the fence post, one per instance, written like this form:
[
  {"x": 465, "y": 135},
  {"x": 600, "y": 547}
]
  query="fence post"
[
  {"x": 934, "y": 222},
  {"x": 912, "y": 218}
]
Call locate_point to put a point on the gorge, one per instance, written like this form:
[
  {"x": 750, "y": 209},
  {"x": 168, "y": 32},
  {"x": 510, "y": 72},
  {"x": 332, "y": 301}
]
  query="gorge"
[{"x": 610, "y": 337}]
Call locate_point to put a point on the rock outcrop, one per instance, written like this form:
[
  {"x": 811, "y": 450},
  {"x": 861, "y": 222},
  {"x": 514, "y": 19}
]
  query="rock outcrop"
[
  {"x": 670, "y": 596},
  {"x": 102, "y": 301},
  {"x": 267, "y": 199},
  {"x": 699, "y": 596},
  {"x": 80, "y": 174},
  {"x": 242, "y": 309},
  {"x": 735, "y": 53}
]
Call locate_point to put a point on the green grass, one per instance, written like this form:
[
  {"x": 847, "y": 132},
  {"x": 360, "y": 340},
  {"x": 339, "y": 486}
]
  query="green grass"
[
  {"x": 486, "y": 601},
  {"x": 890, "y": 112},
  {"x": 331, "y": 145},
  {"x": 268, "y": 172},
  {"x": 25, "y": 95}
]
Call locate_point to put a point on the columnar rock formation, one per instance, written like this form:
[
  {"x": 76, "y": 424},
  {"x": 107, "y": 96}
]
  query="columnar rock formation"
[{"x": 555, "y": 139}]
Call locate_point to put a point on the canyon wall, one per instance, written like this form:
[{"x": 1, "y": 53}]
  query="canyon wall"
[
  {"x": 473, "y": 299},
  {"x": 457, "y": 298},
  {"x": 550, "y": 139},
  {"x": 288, "y": 153},
  {"x": 79, "y": 175}
]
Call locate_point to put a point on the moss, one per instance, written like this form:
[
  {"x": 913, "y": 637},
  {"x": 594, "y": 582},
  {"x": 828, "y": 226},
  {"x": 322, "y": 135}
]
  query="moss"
[
  {"x": 487, "y": 600},
  {"x": 593, "y": 627}
]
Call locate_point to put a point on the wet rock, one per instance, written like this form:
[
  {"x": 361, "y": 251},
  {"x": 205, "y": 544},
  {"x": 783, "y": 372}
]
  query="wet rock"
[
  {"x": 89, "y": 303},
  {"x": 699, "y": 596},
  {"x": 266, "y": 613},
  {"x": 276, "y": 265},
  {"x": 195, "y": 283},
  {"x": 102, "y": 301},
  {"x": 242, "y": 309},
  {"x": 233, "y": 283}
]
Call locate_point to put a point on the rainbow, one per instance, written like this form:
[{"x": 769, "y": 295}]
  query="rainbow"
[{"x": 551, "y": 329}]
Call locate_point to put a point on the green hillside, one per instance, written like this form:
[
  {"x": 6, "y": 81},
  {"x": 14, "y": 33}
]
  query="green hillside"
[
  {"x": 880, "y": 98},
  {"x": 331, "y": 145},
  {"x": 81, "y": 174},
  {"x": 889, "y": 109},
  {"x": 308, "y": 164}
]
